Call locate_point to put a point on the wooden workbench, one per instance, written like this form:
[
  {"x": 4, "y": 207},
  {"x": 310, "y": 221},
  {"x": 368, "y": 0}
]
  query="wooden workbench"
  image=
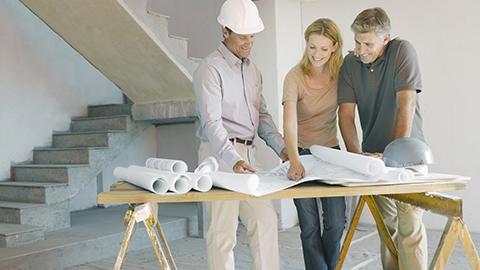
[
  {"x": 123, "y": 192},
  {"x": 413, "y": 193}
]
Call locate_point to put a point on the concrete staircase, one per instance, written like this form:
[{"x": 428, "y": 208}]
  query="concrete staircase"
[
  {"x": 96, "y": 234},
  {"x": 130, "y": 52},
  {"x": 36, "y": 199},
  {"x": 34, "y": 203}
]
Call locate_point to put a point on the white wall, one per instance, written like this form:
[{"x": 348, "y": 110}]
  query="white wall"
[
  {"x": 186, "y": 16},
  {"x": 277, "y": 49},
  {"x": 442, "y": 34},
  {"x": 43, "y": 84},
  {"x": 445, "y": 35},
  {"x": 178, "y": 141}
]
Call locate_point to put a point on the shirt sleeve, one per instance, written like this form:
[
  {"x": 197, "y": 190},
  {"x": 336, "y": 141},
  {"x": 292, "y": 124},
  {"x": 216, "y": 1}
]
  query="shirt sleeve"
[
  {"x": 208, "y": 94},
  {"x": 290, "y": 88},
  {"x": 407, "y": 68},
  {"x": 267, "y": 129},
  {"x": 346, "y": 92}
]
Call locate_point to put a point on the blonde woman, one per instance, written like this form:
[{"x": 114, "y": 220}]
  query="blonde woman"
[{"x": 310, "y": 118}]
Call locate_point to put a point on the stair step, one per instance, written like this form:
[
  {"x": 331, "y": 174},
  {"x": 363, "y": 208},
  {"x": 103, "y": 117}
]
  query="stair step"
[
  {"x": 81, "y": 155},
  {"x": 12, "y": 235},
  {"x": 83, "y": 139},
  {"x": 33, "y": 192},
  {"x": 95, "y": 234},
  {"x": 109, "y": 110},
  {"x": 104, "y": 123},
  {"x": 57, "y": 173},
  {"x": 50, "y": 217}
]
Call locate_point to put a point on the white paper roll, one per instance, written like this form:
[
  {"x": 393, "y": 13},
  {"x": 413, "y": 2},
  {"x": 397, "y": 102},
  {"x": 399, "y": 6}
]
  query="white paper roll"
[
  {"x": 177, "y": 182},
  {"x": 180, "y": 184},
  {"x": 398, "y": 175},
  {"x": 200, "y": 182},
  {"x": 170, "y": 165},
  {"x": 146, "y": 180},
  {"x": 209, "y": 164},
  {"x": 240, "y": 182},
  {"x": 373, "y": 167}
]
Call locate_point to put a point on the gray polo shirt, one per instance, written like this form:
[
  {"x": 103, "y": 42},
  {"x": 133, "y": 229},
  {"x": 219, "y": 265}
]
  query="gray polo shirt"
[{"x": 374, "y": 86}]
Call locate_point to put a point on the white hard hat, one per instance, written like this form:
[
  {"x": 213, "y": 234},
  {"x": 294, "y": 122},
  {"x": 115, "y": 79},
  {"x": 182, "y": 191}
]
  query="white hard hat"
[
  {"x": 240, "y": 16},
  {"x": 408, "y": 153}
]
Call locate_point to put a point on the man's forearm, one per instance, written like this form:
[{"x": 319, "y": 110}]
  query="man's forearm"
[
  {"x": 346, "y": 121},
  {"x": 350, "y": 138},
  {"x": 405, "y": 114}
]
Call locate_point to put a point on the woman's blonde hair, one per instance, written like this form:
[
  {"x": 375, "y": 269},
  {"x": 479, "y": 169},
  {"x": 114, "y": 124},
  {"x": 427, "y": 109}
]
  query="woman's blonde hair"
[{"x": 324, "y": 27}]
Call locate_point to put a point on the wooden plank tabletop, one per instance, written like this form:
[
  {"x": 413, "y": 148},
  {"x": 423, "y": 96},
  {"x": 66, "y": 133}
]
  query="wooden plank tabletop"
[{"x": 123, "y": 192}]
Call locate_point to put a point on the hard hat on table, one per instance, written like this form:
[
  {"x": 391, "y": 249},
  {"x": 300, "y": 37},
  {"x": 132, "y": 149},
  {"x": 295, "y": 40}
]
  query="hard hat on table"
[{"x": 408, "y": 153}]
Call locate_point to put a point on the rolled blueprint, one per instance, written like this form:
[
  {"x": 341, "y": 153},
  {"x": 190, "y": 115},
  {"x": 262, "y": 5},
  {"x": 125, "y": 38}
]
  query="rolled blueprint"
[
  {"x": 200, "y": 182},
  {"x": 155, "y": 183},
  {"x": 177, "y": 182},
  {"x": 209, "y": 164},
  {"x": 398, "y": 175},
  {"x": 170, "y": 165},
  {"x": 240, "y": 182},
  {"x": 373, "y": 167}
]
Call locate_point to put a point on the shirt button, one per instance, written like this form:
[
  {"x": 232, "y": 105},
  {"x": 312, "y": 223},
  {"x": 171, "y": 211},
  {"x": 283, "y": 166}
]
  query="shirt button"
[{"x": 371, "y": 70}]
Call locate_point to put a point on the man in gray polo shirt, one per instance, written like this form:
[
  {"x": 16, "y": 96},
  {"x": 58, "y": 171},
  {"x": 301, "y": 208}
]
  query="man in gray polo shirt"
[{"x": 382, "y": 78}]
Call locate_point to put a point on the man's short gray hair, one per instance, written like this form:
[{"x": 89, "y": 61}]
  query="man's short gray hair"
[{"x": 373, "y": 19}]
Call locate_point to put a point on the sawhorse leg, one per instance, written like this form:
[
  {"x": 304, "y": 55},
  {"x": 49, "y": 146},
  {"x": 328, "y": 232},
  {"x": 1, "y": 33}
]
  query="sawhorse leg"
[
  {"x": 130, "y": 222},
  {"x": 148, "y": 213},
  {"x": 451, "y": 207},
  {"x": 382, "y": 228},
  {"x": 165, "y": 245},
  {"x": 454, "y": 229},
  {"x": 436, "y": 203}
]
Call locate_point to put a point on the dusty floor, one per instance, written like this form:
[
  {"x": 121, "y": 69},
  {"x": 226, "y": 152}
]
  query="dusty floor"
[{"x": 189, "y": 253}]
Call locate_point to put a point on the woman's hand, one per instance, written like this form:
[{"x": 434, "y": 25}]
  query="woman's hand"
[{"x": 296, "y": 171}]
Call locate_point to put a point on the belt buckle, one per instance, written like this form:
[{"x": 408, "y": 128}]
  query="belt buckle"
[{"x": 240, "y": 141}]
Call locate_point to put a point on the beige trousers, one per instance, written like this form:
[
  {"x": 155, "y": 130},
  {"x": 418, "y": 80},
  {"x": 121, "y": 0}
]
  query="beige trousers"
[
  {"x": 405, "y": 224},
  {"x": 258, "y": 216}
]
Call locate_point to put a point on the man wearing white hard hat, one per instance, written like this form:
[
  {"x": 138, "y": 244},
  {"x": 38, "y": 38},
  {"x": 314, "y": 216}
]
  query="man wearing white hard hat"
[{"x": 232, "y": 112}]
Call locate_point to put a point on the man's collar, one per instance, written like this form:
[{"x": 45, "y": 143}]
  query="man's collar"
[{"x": 231, "y": 58}]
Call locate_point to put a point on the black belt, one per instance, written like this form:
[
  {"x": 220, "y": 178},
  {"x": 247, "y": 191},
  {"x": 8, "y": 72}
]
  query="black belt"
[{"x": 245, "y": 142}]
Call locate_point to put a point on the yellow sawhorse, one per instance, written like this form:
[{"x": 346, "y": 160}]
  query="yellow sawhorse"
[
  {"x": 122, "y": 192},
  {"x": 437, "y": 203},
  {"x": 148, "y": 213}
]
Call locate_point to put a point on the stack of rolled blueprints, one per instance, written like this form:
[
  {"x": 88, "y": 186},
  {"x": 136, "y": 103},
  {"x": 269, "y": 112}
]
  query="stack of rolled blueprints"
[{"x": 165, "y": 176}]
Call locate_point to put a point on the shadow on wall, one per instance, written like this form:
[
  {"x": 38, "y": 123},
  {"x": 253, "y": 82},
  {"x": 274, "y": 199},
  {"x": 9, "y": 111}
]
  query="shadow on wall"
[{"x": 192, "y": 19}]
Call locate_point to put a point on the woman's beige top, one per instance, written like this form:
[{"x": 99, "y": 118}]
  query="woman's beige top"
[{"x": 316, "y": 109}]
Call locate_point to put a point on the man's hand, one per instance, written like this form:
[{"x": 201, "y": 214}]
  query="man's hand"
[
  {"x": 375, "y": 155},
  {"x": 243, "y": 167},
  {"x": 284, "y": 155}
]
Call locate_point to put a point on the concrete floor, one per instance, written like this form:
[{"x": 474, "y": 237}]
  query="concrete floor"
[{"x": 189, "y": 253}]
